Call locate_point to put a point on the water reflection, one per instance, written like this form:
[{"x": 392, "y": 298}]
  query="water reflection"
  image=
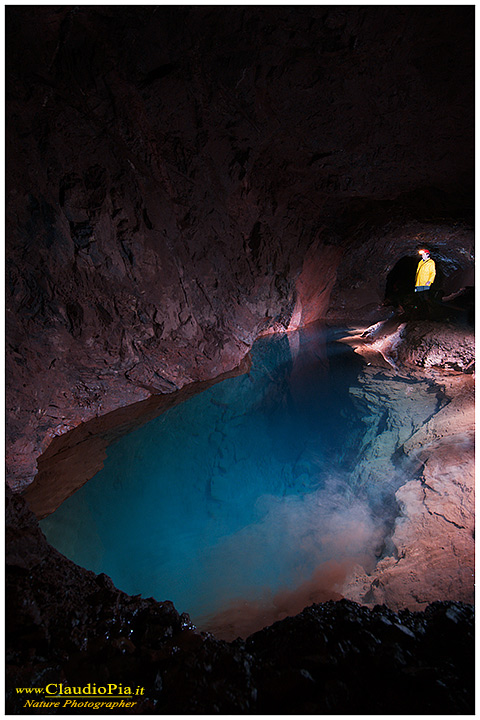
[{"x": 241, "y": 494}]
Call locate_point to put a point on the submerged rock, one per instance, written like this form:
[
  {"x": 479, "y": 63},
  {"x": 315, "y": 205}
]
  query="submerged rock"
[{"x": 430, "y": 550}]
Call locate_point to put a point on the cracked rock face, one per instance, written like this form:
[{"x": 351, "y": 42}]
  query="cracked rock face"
[{"x": 434, "y": 466}]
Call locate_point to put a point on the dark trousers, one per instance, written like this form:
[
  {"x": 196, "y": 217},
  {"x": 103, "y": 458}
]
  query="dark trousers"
[{"x": 423, "y": 304}]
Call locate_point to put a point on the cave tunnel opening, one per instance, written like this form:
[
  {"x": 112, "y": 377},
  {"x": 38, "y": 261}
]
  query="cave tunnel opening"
[
  {"x": 400, "y": 282},
  {"x": 260, "y": 493},
  {"x": 451, "y": 297}
]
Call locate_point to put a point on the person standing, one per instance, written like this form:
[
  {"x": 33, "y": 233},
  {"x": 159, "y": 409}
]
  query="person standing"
[
  {"x": 425, "y": 274},
  {"x": 424, "y": 278}
]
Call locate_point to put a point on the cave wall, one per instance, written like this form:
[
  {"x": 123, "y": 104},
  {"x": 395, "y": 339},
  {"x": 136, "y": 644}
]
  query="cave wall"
[{"x": 183, "y": 179}]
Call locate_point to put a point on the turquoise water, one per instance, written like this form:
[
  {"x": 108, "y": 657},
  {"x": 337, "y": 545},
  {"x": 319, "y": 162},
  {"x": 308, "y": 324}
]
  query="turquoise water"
[{"x": 239, "y": 493}]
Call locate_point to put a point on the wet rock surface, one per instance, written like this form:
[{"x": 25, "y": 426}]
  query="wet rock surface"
[
  {"x": 335, "y": 657},
  {"x": 430, "y": 554}
]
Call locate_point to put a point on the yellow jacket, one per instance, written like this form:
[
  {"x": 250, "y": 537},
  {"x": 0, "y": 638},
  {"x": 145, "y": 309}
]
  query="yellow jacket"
[{"x": 425, "y": 273}]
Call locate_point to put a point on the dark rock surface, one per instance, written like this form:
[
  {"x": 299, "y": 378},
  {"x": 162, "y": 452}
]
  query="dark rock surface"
[{"x": 335, "y": 657}]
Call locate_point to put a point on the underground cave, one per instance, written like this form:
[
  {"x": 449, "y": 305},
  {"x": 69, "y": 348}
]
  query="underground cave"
[{"x": 196, "y": 194}]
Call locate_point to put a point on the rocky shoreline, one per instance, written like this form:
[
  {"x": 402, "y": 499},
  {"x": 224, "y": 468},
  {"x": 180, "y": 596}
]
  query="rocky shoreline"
[
  {"x": 73, "y": 458},
  {"x": 433, "y": 535}
]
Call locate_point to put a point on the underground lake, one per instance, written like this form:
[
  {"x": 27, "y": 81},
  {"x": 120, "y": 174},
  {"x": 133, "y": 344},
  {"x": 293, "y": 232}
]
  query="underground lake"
[{"x": 258, "y": 496}]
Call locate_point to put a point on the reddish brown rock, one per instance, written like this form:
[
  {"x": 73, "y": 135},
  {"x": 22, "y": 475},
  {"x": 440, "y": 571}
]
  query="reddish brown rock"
[
  {"x": 432, "y": 551},
  {"x": 434, "y": 345}
]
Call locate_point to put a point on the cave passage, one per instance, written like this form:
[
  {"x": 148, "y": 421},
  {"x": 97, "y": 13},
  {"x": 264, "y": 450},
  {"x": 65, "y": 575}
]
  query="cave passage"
[
  {"x": 261, "y": 485},
  {"x": 400, "y": 280}
]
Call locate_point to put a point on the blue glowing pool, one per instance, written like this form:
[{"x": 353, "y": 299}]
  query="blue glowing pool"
[{"x": 242, "y": 492}]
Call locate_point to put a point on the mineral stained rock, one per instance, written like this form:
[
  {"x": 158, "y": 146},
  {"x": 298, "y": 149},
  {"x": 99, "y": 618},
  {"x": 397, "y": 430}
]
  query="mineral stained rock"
[{"x": 435, "y": 345}]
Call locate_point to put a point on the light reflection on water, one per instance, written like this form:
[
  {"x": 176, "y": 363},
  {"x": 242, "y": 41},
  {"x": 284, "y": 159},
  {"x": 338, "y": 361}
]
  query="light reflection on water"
[{"x": 239, "y": 495}]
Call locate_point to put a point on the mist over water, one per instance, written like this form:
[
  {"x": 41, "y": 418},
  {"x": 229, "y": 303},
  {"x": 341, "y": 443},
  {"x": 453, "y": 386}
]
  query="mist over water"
[{"x": 249, "y": 499}]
